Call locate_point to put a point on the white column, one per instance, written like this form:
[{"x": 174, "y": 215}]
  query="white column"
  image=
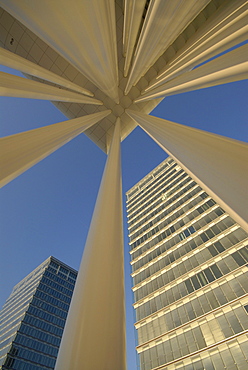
[
  {"x": 12, "y": 60},
  {"x": 132, "y": 18},
  {"x": 21, "y": 151},
  {"x": 19, "y": 87},
  {"x": 218, "y": 164},
  {"x": 165, "y": 20},
  {"x": 83, "y": 32},
  {"x": 94, "y": 335},
  {"x": 226, "y": 28},
  {"x": 230, "y": 67}
]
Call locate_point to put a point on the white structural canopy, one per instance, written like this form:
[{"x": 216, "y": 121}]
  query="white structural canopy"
[{"x": 113, "y": 60}]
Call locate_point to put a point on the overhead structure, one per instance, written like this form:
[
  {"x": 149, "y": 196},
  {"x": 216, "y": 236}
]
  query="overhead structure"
[{"x": 106, "y": 65}]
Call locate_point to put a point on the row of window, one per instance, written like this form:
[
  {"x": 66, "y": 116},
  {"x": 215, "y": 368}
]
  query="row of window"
[
  {"x": 35, "y": 345},
  {"x": 157, "y": 185},
  {"x": 28, "y": 281},
  {"x": 50, "y": 273},
  {"x": 170, "y": 209},
  {"x": 181, "y": 222},
  {"x": 17, "y": 299},
  {"x": 54, "y": 301},
  {"x": 208, "y": 275},
  {"x": 54, "y": 284},
  {"x": 39, "y": 334},
  {"x": 40, "y": 324},
  {"x": 226, "y": 241},
  {"x": 9, "y": 335},
  {"x": 199, "y": 239},
  {"x": 46, "y": 316},
  {"x": 225, "y": 356},
  {"x": 162, "y": 203},
  {"x": 63, "y": 269},
  {"x": 49, "y": 308},
  {"x": 154, "y": 174},
  {"x": 189, "y": 264},
  {"x": 54, "y": 293},
  {"x": 34, "y": 357},
  {"x": 14, "y": 317},
  {"x": 197, "y": 306},
  {"x": 16, "y": 364},
  {"x": 169, "y": 204},
  {"x": 194, "y": 339},
  {"x": 179, "y": 176}
]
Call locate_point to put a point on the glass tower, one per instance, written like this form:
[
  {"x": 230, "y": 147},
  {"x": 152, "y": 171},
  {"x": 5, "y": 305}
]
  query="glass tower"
[
  {"x": 33, "y": 318},
  {"x": 189, "y": 269}
]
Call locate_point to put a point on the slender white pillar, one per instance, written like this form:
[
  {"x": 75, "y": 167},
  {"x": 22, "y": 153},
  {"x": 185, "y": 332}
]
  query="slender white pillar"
[
  {"x": 19, "y": 87},
  {"x": 132, "y": 19},
  {"x": 94, "y": 334},
  {"x": 218, "y": 164},
  {"x": 230, "y": 67},
  {"x": 21, "y": 151},
  {"x": 82, "y": 32},
  {"x": 12, "y": 60},
  {"x": 165, "y": 20},
  {"x": 226, "y": 28}
]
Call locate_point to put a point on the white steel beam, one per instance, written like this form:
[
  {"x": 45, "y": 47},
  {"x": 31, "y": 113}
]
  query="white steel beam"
[
  {"x": 20, "y": 152},
  {"x": 230, "y": 67},
  {"x": 164, "y": 21},
  {"x": 133, "y": 13},
  {"x": 84, "y": 33},
  {"x": 94, "y": 334},
  {"x": 226, "y": 28},
  {"x": 19, "y": 87},
  {"x": 12, "y": 60},
  {"x": 218, "y": 164}
]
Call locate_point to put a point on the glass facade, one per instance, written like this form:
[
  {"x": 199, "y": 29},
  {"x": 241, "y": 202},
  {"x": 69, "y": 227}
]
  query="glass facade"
[
  {"x": 33, "y": 317},
  {"x": 189, "y": 267}
]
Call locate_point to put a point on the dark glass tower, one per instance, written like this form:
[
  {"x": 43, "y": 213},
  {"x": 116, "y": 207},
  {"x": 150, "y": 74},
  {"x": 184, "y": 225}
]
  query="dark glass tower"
[
  {"x": 189, "y": 269},
  {"x": 33, "y": 317}
]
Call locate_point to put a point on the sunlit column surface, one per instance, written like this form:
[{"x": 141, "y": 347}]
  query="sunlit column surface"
[
  {"x": 94, "y": 335},
  {"x": 12, "y": 60},
  {"x": 217, "y": 163},
  {"x": 83, "y": 32},
  {"x": 230, "y": 67},
  {"x": 21, "y": 151},
  {"x": 132, "y": 19},
  {"x": 164, "y": 21},
  {"x": 19, "y": 87},
  {"x": 226, "y": 28}
]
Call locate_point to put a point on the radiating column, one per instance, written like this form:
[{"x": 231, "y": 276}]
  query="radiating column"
[
  {"x": 165, "y": 20},
  {"x": 226, "y": 28},
  {"x": 84, "y": 33},
  {"x": 21, "y": 151},
  {"x": 94, "y": 334},
  {"x": 132, "y": 19},
  {"x": 230, "y": 67},
  {"x": 12, "y": 60},
  {"x": 19, "y": 87},
  {"x": 218, "y": 164}
]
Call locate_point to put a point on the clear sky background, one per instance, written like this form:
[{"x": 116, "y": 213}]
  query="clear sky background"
[{"x": 47, "y": 210}]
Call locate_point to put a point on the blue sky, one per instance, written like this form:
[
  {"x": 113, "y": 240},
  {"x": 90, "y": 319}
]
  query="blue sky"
[{"x": 47, "y": 210}]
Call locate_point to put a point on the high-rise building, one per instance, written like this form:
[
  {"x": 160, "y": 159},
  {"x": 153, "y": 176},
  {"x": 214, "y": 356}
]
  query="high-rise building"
[
  {"x": 33, "y": 318},
  {"x": 189, "y": 269}
]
